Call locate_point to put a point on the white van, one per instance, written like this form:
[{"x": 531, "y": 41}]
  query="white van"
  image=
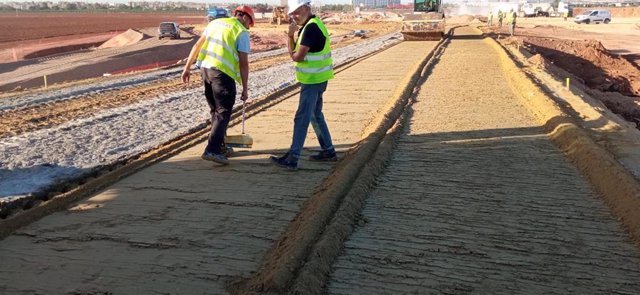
[{"x": 594, "y": 16}]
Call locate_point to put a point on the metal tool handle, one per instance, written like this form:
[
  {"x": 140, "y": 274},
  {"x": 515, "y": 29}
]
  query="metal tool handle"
[{"x": 244, "y": 104}]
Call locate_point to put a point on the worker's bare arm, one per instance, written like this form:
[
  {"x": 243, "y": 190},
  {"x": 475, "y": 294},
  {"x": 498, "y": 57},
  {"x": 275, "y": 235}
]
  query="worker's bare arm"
[
  {"x": 244, "y": 74},
  {"x": 186, "y": 73}
]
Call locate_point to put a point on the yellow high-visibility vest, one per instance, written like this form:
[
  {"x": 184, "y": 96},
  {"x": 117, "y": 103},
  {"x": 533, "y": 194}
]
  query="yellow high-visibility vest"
[
  {"x": 219, "y": 49},
  {"x": 509, "y": 17},
  {"x": 317, "y": 67}
]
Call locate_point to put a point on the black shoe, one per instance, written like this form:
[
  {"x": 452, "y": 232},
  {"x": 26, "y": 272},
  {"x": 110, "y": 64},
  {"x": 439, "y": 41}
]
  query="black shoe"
[
  {"x": 287, "y": 161},
  {"x": 218, "y": 158},
  {"x": 324, "y": 156},
  {"x": 226, "y": 150}
]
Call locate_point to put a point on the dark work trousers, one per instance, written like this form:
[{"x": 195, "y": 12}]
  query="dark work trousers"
[{"x": 220, "y": 91}]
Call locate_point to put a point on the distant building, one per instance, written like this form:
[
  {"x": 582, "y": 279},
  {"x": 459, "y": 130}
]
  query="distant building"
[{"x": 374, "y": 3}]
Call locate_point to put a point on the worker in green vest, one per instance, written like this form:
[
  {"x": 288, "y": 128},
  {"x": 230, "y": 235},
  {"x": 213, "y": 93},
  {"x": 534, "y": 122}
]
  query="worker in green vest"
[
  {"x": 311, "y": 53},
  {"x": 222, "y": 54},
  {"x": 512, "y": 22}
]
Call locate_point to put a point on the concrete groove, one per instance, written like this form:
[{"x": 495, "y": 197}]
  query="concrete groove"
[
  {"x": 492, "y": 216},
  {"x": 217, "y": 241}
]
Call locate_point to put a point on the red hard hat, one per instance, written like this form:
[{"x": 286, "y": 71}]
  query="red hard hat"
[{"x": 248, "y": 10}]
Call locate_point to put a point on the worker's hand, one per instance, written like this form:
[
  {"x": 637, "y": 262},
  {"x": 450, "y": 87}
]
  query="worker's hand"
[
  {"x": 244, "y": 95},
  {"x": 292, "y": 28},
  {"x": 185, "y": 75}
]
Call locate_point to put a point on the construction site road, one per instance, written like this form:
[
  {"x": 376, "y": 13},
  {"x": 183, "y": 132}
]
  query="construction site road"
[
  {"x": 478, "y": 200},
  {"x": 187, "y": 226}
]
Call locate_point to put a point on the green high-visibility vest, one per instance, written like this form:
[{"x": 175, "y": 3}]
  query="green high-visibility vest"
[
  {"x": 317, "y": 67},
  {"x": 219, "y": 49}
]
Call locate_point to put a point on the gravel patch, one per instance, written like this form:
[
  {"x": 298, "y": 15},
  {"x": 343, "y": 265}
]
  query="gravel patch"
[{"x": 32, "y": 161}]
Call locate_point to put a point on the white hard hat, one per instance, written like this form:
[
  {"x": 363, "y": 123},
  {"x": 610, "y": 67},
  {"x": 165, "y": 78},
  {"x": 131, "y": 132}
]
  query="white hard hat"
[{"x": 295, "y": 4}]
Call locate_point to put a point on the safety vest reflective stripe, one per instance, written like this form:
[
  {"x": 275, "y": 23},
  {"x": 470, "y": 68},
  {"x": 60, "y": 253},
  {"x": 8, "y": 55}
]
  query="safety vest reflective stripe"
[
  {"x": 317, "y": 67},
  {"x": 314, "y": 70},
  {"x": 317, "y": 57},
  {"x": 218, "y": 50},
  {"x": 226, "y": 46},
  {"x": 220, "y": 59}
]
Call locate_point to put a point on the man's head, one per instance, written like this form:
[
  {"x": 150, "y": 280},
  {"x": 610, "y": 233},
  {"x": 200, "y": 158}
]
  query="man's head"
[
  {"x": 300, "y": 10},
  {"x": 245, "y": 15}
]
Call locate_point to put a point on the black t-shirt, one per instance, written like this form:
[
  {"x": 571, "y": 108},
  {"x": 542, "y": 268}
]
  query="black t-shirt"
[{"x": 313, "y": 37}]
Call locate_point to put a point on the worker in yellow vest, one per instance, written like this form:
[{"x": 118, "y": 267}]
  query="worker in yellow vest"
[
  {"x": 490, "y": 19},
  {"x": 311, "y": 53},
  {"x": 222, "y": 54},
  {"x": 512, "y": 16},
  {"x": 500, "y": 17}
]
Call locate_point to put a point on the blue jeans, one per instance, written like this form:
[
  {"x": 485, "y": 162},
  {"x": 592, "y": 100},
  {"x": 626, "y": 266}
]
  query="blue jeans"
[{"x": 310, "y": 111}]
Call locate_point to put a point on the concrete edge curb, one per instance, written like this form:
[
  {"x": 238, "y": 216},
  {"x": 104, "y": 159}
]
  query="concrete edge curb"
[
  {"x": 617, "y": 186},
  {"x": 350, "y": 179}
]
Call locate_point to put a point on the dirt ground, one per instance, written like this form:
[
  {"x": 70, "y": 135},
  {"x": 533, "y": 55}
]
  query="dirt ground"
[
  {"x": 264, "y": 37},
  {"x": 461, "y": 208},
  {"x": 25, "y": 62},
  {"x": 141, "y": 236},
  {"x": 476, "y": 199},
  {"x": 604, "y": 57},
  {"x": 40, "y": 26}
]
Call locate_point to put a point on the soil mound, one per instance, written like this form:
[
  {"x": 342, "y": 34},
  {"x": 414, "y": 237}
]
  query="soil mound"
[
  {"x": 538, "y": 61},
  {"x": 267, "y": 41},
  {"x": 461, "y": 19},
  {"x": 591, "y": 62},
  {"x": 129, "y": 37}
]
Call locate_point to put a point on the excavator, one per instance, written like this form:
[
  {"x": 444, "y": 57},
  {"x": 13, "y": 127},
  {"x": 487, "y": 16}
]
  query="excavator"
[{"x": 425, "y": 23}]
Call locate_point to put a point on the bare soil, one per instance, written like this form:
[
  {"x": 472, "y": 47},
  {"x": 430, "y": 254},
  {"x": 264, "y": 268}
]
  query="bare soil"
[
  {"x": 40, "y": 26},
  {"x": 590, "y": 61},
  {"x": 617, "y": 78},
  {"x": 604, "y": 58},
  {"x": 17, "y": 122}
]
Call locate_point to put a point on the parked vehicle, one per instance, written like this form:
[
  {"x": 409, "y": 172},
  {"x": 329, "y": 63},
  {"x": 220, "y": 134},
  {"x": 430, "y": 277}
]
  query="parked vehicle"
[
  {"x": 537, "y": 9},
  {"x": 594, "y": 16},
  {"x": 169, "y": 29},
  {"x": 216, "y": 12}
]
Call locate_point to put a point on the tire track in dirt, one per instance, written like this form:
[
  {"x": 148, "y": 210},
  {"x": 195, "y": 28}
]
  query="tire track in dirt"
[{"x": 477, "y": 199}]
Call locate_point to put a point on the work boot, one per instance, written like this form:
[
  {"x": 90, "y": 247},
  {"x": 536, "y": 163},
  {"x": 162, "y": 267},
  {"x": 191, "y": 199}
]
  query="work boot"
[
  {"x": 287, "y": 161},
  {"x": 218, "y": 158},
  {"x": 324, "y": 156},
  {"x": 226, "y": 150}
]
